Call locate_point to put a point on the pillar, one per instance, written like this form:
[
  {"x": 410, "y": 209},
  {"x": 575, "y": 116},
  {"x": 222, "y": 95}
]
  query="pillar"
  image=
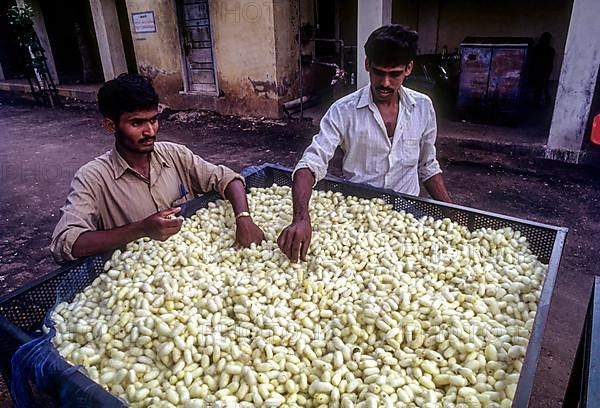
[
  {"x": 108, "y": 36},
  {"x": 40, "y": 29},
  {"x": 576, "y": 83},
  {"x": 372, "y": 14}
]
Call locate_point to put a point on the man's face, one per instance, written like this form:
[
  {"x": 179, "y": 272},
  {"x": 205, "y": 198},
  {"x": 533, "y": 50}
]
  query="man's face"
[
  {"x": 386, "y": 81},
  {"x": 136, "y": 131}
]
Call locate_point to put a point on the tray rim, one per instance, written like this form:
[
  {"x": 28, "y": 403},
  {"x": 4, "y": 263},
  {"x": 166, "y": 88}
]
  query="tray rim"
[{"x": 531, "y": 359}]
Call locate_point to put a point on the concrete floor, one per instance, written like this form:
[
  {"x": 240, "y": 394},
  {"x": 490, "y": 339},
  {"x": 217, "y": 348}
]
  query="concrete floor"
[
  {"x": 41, "y": 149},
  {"x": 80, "y": 92}
]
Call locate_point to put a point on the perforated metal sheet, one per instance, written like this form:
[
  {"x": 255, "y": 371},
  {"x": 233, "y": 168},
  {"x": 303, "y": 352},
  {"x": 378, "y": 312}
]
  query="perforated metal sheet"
[{"x": 24, "y": 309}]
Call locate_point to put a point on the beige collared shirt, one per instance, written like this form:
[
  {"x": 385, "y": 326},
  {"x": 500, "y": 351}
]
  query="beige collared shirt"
[
  {"x": 370, "y": 156},
  {"x": 107, "y": 193}
]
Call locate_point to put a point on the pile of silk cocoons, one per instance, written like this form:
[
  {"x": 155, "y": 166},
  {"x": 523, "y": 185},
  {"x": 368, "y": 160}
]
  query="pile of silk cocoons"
[{"x": 388, "y": 310}]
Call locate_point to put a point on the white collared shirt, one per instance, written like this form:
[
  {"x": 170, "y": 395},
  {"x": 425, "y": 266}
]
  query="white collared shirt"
[{"x": 354, "y": 123}]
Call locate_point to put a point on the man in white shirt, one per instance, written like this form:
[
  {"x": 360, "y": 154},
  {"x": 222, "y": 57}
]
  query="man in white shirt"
[{"x": 386, "y": 131}]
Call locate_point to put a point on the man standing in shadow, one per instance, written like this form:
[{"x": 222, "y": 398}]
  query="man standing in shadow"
[{"x": 541, "y": 64}]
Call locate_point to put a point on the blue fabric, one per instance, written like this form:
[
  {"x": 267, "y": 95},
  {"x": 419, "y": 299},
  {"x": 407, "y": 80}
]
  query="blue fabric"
[
  {"x": 253, "y": 170},
  {"x": 37, "y": 367}
]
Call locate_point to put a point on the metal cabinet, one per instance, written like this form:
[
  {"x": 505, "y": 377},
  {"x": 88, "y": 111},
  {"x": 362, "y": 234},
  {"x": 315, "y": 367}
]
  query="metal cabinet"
[{"x": 493, "y": 75}]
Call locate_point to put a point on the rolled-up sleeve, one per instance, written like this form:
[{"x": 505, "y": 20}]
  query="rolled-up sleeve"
[
  {"x": 316, "y": 156},
  {"x": 428, "y": 164},
  {"x": 207, "y": 177},
  {"x": 78, "y": 215}
]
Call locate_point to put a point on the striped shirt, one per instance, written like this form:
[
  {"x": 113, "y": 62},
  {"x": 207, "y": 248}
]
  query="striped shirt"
[{"x": 370, "y": 156}]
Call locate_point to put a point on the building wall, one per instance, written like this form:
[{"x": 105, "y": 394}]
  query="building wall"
[
  {"x": 348, "y": 21},
  {"x": 245, "y": 54},
  {"x": 307, "y": 11},
  {"x": 507, "y": 18},
  {"x": 158, "y": 55},
  {"x": 286, "y": 44},
  {"x": 255, "y": 53},
  {"x": 461, "y": 18},
  {"x": 406, "y": 12}
]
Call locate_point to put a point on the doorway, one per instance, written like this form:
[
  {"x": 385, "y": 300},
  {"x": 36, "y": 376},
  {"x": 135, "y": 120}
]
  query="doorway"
[
  {"x": 196, "y": 37},
  {"x": 73, "y": 40}
]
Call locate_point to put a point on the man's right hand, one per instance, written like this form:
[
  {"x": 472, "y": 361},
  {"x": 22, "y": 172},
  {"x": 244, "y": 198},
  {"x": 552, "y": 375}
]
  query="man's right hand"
[
  {"x": 160, "y": 226},
  {"x": 294, "y": 240}
]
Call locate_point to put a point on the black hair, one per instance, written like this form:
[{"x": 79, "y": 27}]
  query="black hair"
[
  {"x": 126, "y": 93},
  {"x": 391, "y": 45}
]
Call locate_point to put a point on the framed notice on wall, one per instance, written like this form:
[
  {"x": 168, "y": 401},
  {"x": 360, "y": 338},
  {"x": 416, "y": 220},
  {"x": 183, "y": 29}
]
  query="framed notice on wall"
[{"x": 143, "y": 22}]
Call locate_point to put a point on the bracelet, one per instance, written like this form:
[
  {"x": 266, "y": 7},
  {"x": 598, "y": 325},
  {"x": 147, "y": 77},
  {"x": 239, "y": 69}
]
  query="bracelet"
[{"x": 242, "y": 214}]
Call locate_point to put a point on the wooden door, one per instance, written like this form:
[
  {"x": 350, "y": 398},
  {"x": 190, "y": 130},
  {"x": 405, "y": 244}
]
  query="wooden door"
[{"x": 197, "y": 46}]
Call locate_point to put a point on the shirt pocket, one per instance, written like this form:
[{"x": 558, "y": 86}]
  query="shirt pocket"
[
  {"x": 363, "y": 152},
  {"x": 410, "y": 150},
  {"x": 183, "y": 195}
]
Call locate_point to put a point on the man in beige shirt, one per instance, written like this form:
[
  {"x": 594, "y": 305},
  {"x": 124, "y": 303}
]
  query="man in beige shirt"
[{"x": 133, "y": 190}]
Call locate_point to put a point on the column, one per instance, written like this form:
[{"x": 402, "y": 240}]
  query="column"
[
  {"x": 40, "y": 29},
  {"x": 108, "y": 35},
  {"x": 576, "y": 83},
  {"x": 371, "y": 15}
]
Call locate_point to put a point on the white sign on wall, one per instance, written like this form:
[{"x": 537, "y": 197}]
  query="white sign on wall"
[{"x": 143, "y": 22}]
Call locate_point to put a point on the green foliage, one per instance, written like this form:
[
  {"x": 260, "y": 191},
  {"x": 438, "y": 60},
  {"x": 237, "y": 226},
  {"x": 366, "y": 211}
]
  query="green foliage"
[{"x": 19, "y": 18}]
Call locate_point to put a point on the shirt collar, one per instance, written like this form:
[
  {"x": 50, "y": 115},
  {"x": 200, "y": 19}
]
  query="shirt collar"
[
  {"x": 407, "y": 99},
  {"x": 120, "y": 166},
  {"x": 366, "y": 98}
]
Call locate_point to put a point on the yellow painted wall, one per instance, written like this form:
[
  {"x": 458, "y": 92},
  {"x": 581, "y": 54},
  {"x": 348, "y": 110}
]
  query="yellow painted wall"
[
  {"x": 244, "y": 39},
  {"x": 255, "y": 53},
  {"x": 286, "y": 45},
  {"x": 158, "y": 55}
]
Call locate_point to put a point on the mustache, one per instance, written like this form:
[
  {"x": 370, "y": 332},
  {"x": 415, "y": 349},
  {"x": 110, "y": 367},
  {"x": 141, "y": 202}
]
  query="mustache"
[
  {"x": 381, "y": 88},
  {"x": 144, "y": 140}
]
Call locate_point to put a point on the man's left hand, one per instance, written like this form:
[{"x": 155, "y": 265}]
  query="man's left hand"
[{"x": 246, "y": 233}]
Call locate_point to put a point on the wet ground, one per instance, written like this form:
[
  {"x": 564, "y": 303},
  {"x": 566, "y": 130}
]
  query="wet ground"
[{"x": 41, "y": 149}]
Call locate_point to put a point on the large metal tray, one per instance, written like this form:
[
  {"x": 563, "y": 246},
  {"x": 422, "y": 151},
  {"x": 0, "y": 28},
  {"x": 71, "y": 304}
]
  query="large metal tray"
[
  {"x": 22, "y": 311},
  {"x": 583, "y": 390}
]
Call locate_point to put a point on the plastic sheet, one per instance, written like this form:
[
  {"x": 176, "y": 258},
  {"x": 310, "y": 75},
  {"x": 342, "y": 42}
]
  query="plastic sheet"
[{"x": 38, "y": 363}]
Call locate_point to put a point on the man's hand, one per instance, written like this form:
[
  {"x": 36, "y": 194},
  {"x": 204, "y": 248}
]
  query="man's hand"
[
  {"x": 161, "y": 226},
  {"x": 247, "y": 233},
  {"x": 294, "y": 240},
  {"x": 437, "y": 188}
]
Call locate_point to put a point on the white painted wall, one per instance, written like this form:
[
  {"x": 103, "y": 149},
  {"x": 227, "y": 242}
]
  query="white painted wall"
[
  {"x": 577, "y": 79},
  {"x": 372, "y": 14}
]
